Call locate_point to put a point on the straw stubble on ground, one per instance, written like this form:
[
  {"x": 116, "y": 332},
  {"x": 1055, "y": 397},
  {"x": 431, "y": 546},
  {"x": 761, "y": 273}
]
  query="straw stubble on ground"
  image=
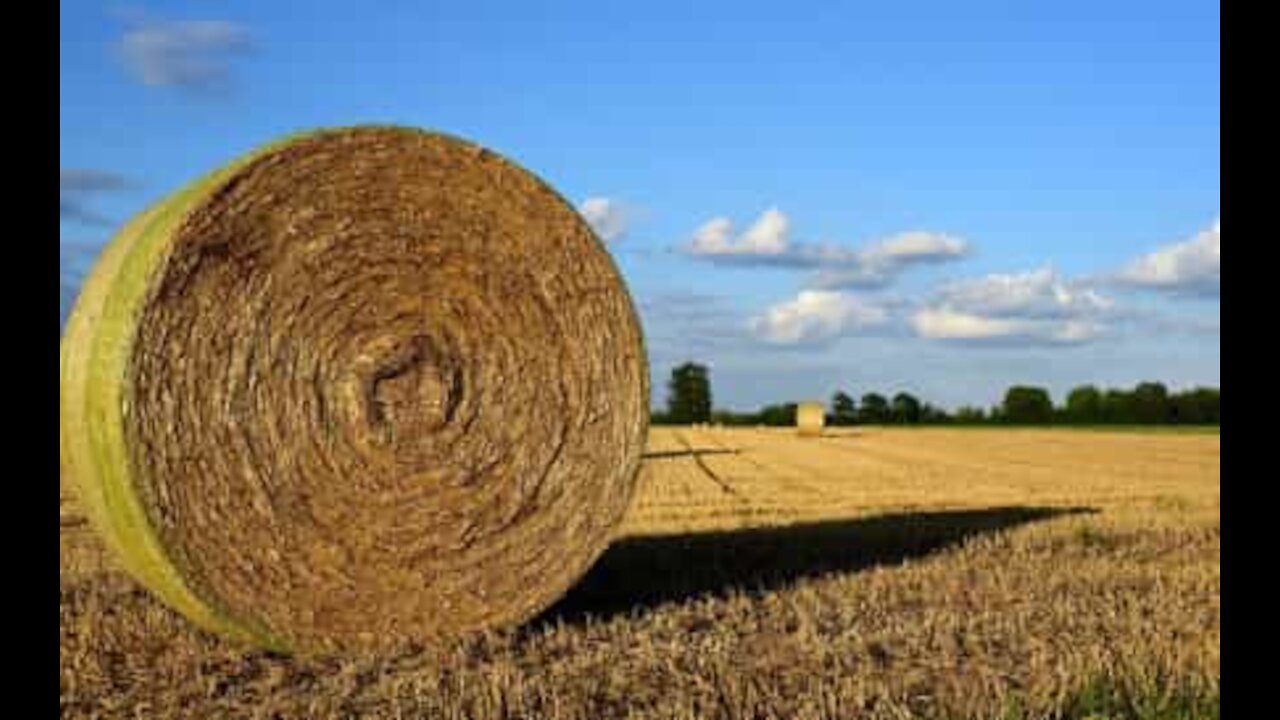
[{"x": 864, "y": 573}]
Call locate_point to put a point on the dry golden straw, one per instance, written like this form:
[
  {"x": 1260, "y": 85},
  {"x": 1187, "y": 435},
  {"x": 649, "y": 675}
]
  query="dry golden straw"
[
  {"x": 810, "y": 418},
  {"x": 363, "y": 386}
]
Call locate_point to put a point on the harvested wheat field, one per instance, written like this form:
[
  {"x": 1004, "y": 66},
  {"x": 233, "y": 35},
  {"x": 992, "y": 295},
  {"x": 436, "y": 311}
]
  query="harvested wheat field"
[{"x": 758, "y": 574}]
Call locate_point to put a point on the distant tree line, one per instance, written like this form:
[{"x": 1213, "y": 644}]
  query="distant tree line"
[{"x": 1148, "y": 403}]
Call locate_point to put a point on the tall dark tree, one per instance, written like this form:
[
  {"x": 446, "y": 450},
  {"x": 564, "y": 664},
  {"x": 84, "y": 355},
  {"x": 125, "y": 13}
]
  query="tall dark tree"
[
  {"x": 843, "y": 409},
  {"x": 1150, "y": 403},
  {"x": 1209, "y": 401},
  {"x": 1198, "y": 406},
  {"x": 1117, "y": 407},
  {"x": 689, "y": 394},
  {"x": 873, "y": 409},
  {"x": 1025, "y": 405},
  {"x": 906, "y": 408},
  {"x": 933, "y": 415},
  {"x": 1084, "y": 405},
  {"x": 1201, "y": 406}
]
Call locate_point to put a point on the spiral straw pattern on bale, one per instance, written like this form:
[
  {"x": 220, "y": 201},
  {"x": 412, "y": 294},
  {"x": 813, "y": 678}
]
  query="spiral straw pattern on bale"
[{"x": 361, "y": 387}]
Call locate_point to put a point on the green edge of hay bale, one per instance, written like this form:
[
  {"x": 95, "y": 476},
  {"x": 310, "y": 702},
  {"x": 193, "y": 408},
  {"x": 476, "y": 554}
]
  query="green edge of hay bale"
[{"x": 94, "y": 399}]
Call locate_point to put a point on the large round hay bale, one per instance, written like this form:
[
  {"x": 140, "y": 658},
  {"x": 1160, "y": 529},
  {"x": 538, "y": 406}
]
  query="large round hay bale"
[
  {"x": 810, "y": 417},
  {"x": 361, "y": 387}
]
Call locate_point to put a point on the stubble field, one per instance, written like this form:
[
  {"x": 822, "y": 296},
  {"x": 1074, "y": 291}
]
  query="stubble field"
[{"x": 870, "y": 572}]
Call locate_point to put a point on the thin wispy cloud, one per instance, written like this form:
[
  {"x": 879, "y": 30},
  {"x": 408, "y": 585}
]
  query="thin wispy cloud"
[
  {"x": 609, "y": 217},
  {"x": 767, "y": 242},
  {"x": 1191, "y": 268},
  {"x": 77, "y": 186},
  {"x": 681, "y": 323},
  {"x": 193, "y": 55},
  {"x": 1161, "y": 323},
  {"x": 883, "y": 261}
]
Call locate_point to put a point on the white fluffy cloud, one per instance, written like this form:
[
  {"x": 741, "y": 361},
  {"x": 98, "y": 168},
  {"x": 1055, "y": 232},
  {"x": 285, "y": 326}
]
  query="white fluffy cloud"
[
  {"x": 1193, "y": 267},
  {"x": 767, "y": 242},
  {"x": 1035, "y": 307},
  {"x": 1037, "y": 293},
  {"x": 766, "y": 238},
  {"x": 949, "y": 324},
  {"x": 607, "y": 216},
  {"x": 816, "y": 316},
  {"x": 194, "y": 54}
]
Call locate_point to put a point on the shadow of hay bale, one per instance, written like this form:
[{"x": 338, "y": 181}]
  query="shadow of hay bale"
[{"x": 642, "y": 573}]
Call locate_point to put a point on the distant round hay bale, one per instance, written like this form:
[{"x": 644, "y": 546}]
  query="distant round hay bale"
[
  {"x": 360, "y": 387},
  {"x": 810, "y": 417}
]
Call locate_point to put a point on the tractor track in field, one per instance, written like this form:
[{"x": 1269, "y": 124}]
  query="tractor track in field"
[{"x": 702, "y": 465}]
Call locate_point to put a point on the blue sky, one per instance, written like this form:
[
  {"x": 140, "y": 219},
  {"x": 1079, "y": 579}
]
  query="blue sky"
[{"x": 945, "y": 198}]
